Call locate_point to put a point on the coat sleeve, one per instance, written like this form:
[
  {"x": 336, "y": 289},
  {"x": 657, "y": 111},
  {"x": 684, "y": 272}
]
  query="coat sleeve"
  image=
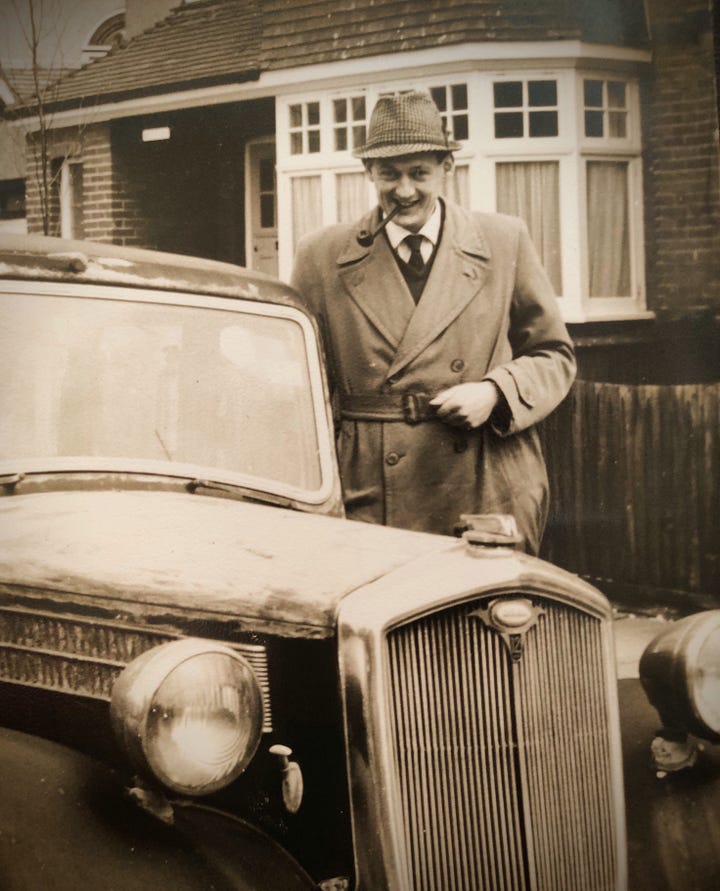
[{"x": 543, "y": 368}]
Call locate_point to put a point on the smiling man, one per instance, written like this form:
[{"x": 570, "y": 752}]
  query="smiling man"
[{"x": 445, "y": 344}]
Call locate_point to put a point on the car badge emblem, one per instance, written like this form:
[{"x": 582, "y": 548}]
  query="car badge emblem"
[{"x": 512, "y": 618}]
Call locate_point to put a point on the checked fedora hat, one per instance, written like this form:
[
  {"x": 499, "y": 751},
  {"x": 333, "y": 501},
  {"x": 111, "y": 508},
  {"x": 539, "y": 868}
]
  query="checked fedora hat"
[{"x": 405, "y": 124}]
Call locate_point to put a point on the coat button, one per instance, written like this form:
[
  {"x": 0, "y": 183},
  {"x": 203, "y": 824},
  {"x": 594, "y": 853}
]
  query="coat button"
[
  {"x": 460, "y": 446},
  {"x": 457, "y": 365},
  {"x": 392, "y": 458}
]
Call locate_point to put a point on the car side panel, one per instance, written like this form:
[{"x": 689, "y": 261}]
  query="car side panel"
[{"x": 66, "y": 824}]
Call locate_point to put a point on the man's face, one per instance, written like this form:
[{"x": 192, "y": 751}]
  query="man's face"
[{"x": 413, "y": 181}]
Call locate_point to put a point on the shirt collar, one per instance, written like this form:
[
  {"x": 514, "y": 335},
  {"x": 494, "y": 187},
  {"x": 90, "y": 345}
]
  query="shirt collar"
[{"x": 431, "y": 229}]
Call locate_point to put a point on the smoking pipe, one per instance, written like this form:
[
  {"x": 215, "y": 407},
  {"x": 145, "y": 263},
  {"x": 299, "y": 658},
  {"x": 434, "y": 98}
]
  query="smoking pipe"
[{"x": 365, "y": 238}]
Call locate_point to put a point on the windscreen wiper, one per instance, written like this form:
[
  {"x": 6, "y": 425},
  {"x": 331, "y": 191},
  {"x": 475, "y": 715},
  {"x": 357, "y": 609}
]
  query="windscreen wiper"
[{"x": 251, "y": 495}]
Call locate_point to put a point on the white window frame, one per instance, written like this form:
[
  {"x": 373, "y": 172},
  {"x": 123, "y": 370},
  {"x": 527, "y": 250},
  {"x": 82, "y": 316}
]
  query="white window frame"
[
  {"x": 350, "y": 123},
  {"x": 482, "y": 151},
  {"x": 306, "y": 128},
  {"x": 606, "y": 148},
  {"x": 451, "y": 112}
]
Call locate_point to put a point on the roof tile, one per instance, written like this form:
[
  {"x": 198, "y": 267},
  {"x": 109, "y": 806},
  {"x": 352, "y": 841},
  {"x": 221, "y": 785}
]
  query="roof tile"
[
  {"x": 212, "y": 40},
  {"x": 225, "y": 41}
]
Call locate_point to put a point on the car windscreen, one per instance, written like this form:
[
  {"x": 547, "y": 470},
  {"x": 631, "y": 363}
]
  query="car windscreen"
[{"x": 161, "y": 387}]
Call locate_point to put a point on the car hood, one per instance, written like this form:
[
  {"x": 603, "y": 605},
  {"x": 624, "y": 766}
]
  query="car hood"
[{"x": 197, "y": 553}]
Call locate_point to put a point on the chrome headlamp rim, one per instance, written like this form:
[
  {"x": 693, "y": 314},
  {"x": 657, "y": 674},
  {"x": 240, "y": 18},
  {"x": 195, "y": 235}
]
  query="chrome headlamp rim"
[{"x": 132, "y": 701}]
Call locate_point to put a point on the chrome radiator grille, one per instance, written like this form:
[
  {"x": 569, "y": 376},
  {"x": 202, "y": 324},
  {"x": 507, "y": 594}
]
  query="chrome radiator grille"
[
  {"x": 504, "y": 767},
  {"x": 85, "y": 656}
]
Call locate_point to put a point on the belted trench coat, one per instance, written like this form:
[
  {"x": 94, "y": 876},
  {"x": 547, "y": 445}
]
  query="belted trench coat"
[{"x": 488, "y": 312}]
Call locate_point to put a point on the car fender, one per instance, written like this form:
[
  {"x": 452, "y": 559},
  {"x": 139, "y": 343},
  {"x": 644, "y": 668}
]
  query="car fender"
[{"x": 65, "y": 823}]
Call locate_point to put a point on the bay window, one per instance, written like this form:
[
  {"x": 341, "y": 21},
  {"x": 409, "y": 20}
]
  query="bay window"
[{"x": 559, "y": 148}]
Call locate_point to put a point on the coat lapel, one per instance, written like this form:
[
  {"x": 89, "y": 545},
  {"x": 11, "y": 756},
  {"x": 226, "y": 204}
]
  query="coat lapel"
[
  {"x": 457, "y": 275},
  {"x": 373, "y": 280}
]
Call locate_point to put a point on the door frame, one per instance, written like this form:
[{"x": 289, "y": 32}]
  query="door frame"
[{"x": 249, "y": 144}]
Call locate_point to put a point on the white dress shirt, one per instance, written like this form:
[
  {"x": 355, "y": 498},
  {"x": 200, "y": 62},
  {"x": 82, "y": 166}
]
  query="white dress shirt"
[{"x": 430, "y": 232}]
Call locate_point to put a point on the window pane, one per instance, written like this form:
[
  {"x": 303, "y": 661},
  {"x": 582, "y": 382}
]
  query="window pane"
[
  {"x": 358, "y": 136},
  {"x": 147, "y": 382},
  {"x": 341, "y": 140},
  {"x": 542, "y": 92},
  {"x": 314, "y": 141},
  {"x": 352, "y": 196},
  {"x": 508, "y": 94},
  {"x": 459, "y": 96},
  {"x": 267, "y": 211},
  {"x": 296, "y": 144},
  {"x": 358, "y": 108},
  {"x": 12, "y": 199},
  {"x": 531, "y": 190},
  {"x": 267, "y": 175},
  {"x": 460, "y": 126},
  {"x": 617, "y": 124},
  {"x": 593, "y": 123},
  {"x": 543, "y": 123},
  {"x": 306, "y": 205},
  {"x": 616, "y": 94},
  {"x": 77, "y": 228},
  {"x": 340, "y": 111},
  {"x": 439, "y": 97},
  {"x": 313, "y": 110},
  {"x": 608, "y": 228},
  {"x": 593, "y": 93},
  {"x": 457, "y": 186},
  {"x": 508, "y": 125},
  {"x": 296, "y": 115}
]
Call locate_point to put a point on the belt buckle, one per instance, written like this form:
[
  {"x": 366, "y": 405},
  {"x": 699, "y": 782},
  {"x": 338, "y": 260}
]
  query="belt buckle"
[{"x": 414, "y": 407}]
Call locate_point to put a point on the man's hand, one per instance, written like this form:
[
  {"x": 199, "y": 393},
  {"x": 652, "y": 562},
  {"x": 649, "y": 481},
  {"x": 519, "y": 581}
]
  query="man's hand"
[{"x": 467, "y": 405}]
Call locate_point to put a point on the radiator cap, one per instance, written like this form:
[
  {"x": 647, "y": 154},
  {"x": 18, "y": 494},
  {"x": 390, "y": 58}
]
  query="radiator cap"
[{"x": 490, "y": 530}]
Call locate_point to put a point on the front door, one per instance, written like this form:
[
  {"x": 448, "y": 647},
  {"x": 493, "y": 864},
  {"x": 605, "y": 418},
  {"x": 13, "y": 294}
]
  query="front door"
[{"x": 262, "y": 245}]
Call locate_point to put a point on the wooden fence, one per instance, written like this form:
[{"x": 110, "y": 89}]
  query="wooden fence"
[{"x": 635, "y": 482}]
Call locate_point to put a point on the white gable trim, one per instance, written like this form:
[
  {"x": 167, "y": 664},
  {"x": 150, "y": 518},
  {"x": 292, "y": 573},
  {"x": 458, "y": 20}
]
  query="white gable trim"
[{"x": 469, "y": 56}]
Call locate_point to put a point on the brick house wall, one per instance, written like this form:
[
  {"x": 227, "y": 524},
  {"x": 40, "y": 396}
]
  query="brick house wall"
[
  {"x": 682, "y": 165},
  {"x": 98, "y": 199},
  {"x": 110, "y": 210},
  {"x": 91, "y": 147}
]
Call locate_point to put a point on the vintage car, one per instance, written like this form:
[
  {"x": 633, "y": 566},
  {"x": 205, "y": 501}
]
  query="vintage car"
[{"x": 210, "y": 679}]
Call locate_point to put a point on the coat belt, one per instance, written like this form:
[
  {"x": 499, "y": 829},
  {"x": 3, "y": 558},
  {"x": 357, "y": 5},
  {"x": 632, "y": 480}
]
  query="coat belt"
[{"x": 412, "y": 408}]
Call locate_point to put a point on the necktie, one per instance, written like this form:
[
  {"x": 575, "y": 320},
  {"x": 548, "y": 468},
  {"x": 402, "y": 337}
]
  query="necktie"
[{"x": 416, "y": 262}]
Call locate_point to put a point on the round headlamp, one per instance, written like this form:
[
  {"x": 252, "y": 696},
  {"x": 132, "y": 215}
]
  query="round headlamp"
[
  {"x": 680, "y": 672},
  {"x": 190, "y": 712}
]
